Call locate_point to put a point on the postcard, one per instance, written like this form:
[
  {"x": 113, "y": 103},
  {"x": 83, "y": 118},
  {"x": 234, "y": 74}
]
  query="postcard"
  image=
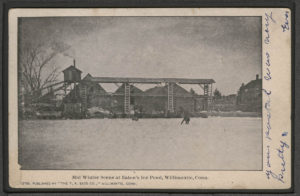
[{"x": 150, "y": 98}]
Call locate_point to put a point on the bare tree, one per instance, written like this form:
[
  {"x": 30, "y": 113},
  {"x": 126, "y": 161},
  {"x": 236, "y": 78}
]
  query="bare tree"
[{"x": 37, "y": 71}]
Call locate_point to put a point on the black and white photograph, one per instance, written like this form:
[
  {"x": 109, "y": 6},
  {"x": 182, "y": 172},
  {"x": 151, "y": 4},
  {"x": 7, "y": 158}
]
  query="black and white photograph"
[
  {"x": 183, "y": 98},
  {"x": 140, "y": 93}
]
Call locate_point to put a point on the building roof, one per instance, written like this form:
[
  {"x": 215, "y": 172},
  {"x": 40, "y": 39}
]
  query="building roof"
[
  {"x": 133, "y": 89},
  {"x": 71, "y": 68},
  {"x": 88, "y": 77},
  {"x": 73, "y": 95},
  {"x": 99, "y": 88},
  {"x": 152, "y": 80},
  {"x": 157, "y": 90},
  {"x": 163, "y": 91},
  {"x": 252, "y": 84}
]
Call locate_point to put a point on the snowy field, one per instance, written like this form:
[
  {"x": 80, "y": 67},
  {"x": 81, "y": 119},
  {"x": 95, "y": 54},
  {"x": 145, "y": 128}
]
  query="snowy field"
[{"x": 222, "y": 143}]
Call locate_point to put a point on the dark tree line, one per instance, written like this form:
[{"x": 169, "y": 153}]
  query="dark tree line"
[{"x": 217, "y": 94}]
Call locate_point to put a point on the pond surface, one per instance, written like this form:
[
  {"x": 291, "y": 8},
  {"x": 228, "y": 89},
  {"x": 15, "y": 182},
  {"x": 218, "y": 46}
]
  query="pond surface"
[{"x": 224, "y": 143}]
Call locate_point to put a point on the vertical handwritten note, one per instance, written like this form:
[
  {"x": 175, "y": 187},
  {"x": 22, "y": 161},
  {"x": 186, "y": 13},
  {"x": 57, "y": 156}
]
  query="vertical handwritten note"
[
  {"x": 285, "y": 27},
  {"x": 275, "y": 151}
]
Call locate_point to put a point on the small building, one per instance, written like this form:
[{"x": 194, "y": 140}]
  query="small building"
[
  {"x": 88, "y": 94},
  {"x": 136, "y": 95},
  {"x": 249, "y": 98},
  {"x": 72, "y": 74},
  {"x": 96, "y": 96},
  {"x": 156, "y": 100}
]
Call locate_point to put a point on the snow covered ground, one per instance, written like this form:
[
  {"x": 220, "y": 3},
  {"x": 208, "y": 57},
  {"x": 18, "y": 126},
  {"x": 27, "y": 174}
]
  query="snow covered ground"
[{"x": 223, "y": 143}]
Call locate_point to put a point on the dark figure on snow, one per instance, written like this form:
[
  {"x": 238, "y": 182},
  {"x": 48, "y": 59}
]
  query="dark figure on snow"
[
  {"x": 135, "y": 114},
  {"x": 186, "y": 117}
]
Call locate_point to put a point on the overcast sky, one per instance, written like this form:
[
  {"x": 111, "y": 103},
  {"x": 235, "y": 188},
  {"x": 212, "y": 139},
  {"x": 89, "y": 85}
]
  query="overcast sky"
[{"x": 226, "y": 49}]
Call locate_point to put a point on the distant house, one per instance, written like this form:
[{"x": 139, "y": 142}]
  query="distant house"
[{"x": 249, "y": 96}]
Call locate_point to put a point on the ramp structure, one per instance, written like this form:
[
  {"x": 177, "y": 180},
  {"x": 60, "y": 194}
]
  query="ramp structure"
[
  {"x": 72, "y": 78},
  {"x": 205, "y": 84}
]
